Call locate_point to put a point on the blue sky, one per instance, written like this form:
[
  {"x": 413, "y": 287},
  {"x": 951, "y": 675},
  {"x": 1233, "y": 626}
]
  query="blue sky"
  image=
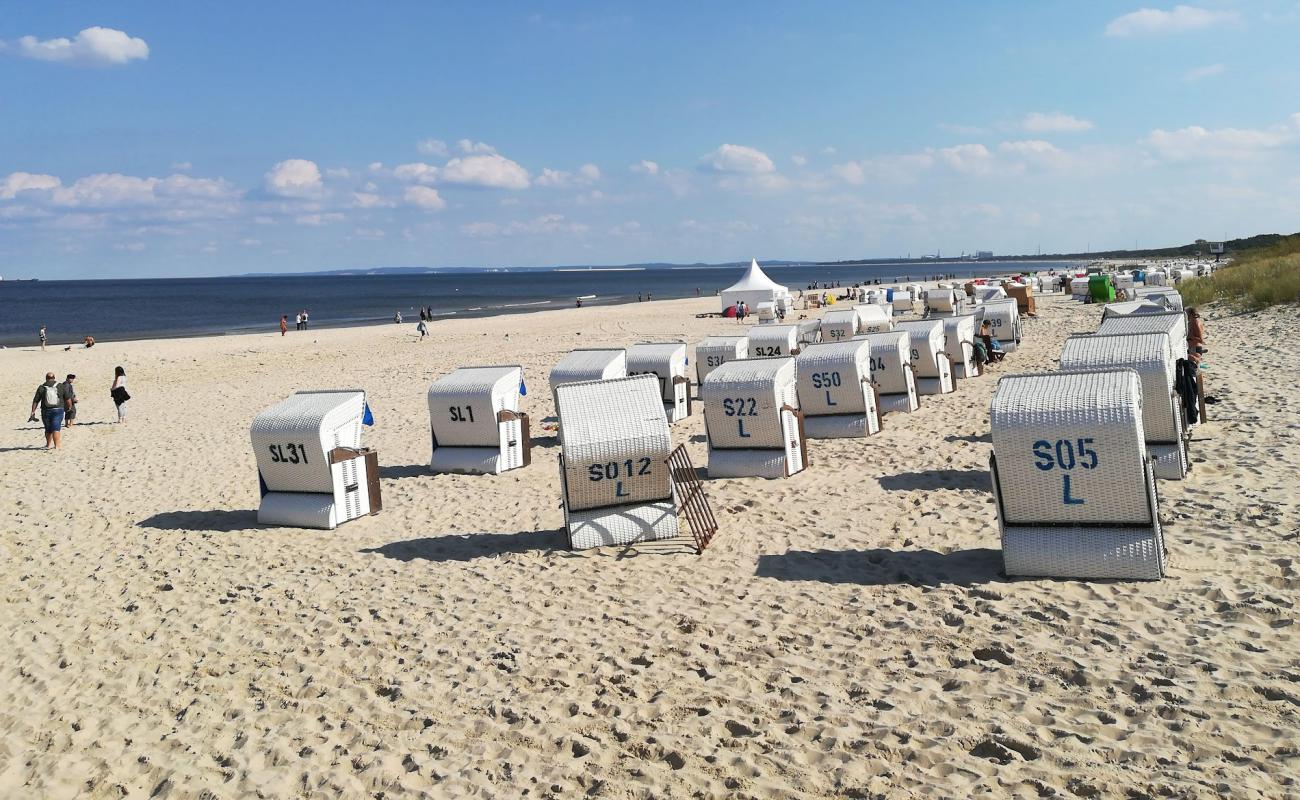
[{"x": 143, "y": 139}]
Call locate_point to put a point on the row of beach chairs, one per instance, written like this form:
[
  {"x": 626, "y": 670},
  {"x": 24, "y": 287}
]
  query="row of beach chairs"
[{"x": 764, "y": 395}]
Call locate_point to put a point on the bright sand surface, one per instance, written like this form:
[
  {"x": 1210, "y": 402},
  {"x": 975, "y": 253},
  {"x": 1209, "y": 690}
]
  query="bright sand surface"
[{"x": 848, "y": 634}]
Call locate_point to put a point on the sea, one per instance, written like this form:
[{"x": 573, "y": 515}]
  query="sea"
[{"x": 117, "y": 310}]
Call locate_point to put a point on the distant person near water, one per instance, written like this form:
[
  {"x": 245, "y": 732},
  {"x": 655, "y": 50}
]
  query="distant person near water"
[
  {"x": 119, "y": 394},
  {"x": 306, "y": 317},
  {"x": 398, "y": 318},
  {"x": 70, "y": 391},
  {"x": 52, "y": 400},
  {"x": 284, "y": 323},
  {"x": 297, "y": 321},
  {"x": 423, "y": 329},
  {"x": 42, "y": 335}
]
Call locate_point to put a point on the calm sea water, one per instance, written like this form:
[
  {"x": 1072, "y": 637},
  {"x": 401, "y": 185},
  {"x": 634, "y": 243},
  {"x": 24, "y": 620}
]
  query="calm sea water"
[{"x": 138, "y": 309}]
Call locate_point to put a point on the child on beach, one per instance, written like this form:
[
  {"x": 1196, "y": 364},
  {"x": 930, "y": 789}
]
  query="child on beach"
[
  {"x": 423, "y": 329},
  {"x": 119, "y": 393},
  {"x": 284, "y": 323}
]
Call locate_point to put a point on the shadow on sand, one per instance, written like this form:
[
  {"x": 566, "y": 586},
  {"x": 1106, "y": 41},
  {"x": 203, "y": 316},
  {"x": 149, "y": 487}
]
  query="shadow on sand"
[
  {"x": 886, "y": 567},
  {"x": 201, "y": 521},
  {"x": 970, "y": 437},
  {"x": 405, "y": 471},
  {"x": 931, "y": 479},
  {"x": 471, "y": 546}
]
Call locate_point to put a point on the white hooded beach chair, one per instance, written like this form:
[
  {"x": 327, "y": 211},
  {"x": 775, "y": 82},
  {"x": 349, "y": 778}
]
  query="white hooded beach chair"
[
  {"x": 1073, "y": 484},
  {"x": 312, "y": 468},
  {"x": 810, "y": 331},
  {"x": 990, "y": 294},
  {"x": 902, "y": 302},
  {"x": 1079, "y": 289},
  {"x": 475, "y": 421},
  {"x": 1128, "y": 307},
  {"x": 615, "y": 443},
  {"x": 928, "y": 343},
  {"x": 1123, "y": 280},
  {"x": 667, "y": 362},
  {"x": 589, "y": 364},
  {"x": 715, "y": 351},
  {"x": 840, "y": 325},
  {"x": 1156, "y": 277},
  {"x": 892, "y": 370},
  {"x": 751, "y": 415},
  {"x": 960, "y": 345},
  {"x": 1166, "y": 296},
  {"x": 1003, "y": 317},
  {"x": 944, "y": 302},
  {"x": 874, "y": 318},
  {"x": 1151, "y": 356},
  {"x": 773, "y": 341},
  {"x": 836, "y": 394},
  {"x": 1173, "y": 323},
  {"x": 766, "y": 313}
]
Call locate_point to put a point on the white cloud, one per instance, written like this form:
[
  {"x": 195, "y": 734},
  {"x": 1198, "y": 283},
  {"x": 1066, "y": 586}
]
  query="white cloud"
[
  {"x": 96, "y": 47},
  {"x": 475, "y": 148},
  {"x": 629, "y": 228},
  {"x": 1153, "y": 21},
  {"x": 737, "y": 159},
  {"x": 338, "y": 173},
  {"x": 1195, "y": 143},
  {"x": 17, "y": 182},
  {"x": 370, "y": 200},
  {"x": 416, "y": 172},
  {"x": 799, "y": 161},
  {"x": 966, "y": 158},
  {"x": 424, "y": 197},
  {"x": 294, "y": 177},
  {"x": 644, "y": 167},
  {"x": 547, "y": 224},
  {"x": 586, "y": 175},
  {"x": 1055, "y": 122},
  {"x": 1207, "y": 71},
  {"x": 316, "y": 220},
  {"x": 432, "y": 147},
  {"x": 489, "y": 171}
]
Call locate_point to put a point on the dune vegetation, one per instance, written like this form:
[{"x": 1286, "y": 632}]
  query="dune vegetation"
[{"x": 1256, "y": 278}]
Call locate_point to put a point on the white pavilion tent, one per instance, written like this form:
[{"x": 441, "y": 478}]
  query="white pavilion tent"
[{"x": 755, "y": 287}]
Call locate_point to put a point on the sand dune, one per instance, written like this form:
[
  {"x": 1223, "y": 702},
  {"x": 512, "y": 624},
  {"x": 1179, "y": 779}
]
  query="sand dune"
[{"x": 849, "y": 634}]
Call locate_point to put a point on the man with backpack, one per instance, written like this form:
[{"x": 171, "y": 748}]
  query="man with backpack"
[{"x": 53, "y": 400}]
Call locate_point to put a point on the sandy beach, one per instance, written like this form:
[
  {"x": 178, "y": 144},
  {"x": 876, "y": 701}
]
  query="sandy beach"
[{"x": 848, "y": 634}]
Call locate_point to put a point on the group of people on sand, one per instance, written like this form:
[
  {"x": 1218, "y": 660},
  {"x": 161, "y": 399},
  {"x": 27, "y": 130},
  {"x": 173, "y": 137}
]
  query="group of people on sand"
[
  {"x": 43, "y": 337},
  {"x": 57, "y": 403},
  {"x": 300, "y": 322}
]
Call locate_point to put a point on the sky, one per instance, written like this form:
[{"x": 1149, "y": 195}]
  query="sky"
[{"x": 140, "y": 139}]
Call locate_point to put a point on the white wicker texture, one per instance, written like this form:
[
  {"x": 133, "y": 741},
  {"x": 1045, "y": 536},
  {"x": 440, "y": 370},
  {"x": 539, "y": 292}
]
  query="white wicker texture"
[
  {"x": 715, "y": 351},
  {"x": 927, "y": 342},
  {"x": 292, "y": 439},
  {"x": 766, "y": 313},
  {"x": 842, "y": 426},
  {"x": 1078, "y": 288},
  {"x": 1070, "y": 448},
  {"x": 1172, "y": 323},
  {"x": 621, "y": 525},
  {"x": 773, "y": 341},
  {"x": 615, "y": 440},
  {"x": 810, "y": 331},
  {"x": 1155, "y": 279},
  {"x": 942, "y": 300},
  {"x": 874, "y": 318},
  {"x": 1123, "y": 280},
  {"x": 770, "y": 464},
  {"x": 667, "y": 362},
  {"x": 902, "y": 301},
  {"x": 1132, "y": 307},
  {"x": 299, "y": 510},
  {"x": 840, "y": 325},
  {"x": 463, "y": 404},
  {"x": 1151, "y": 355},
  {"x": 1166, "y": 296},
  {"x": 834, "y": 379},
  {"x": 593, "y": 364},
  {"x": 960, "y": 346},
  {"x": 892, "y": 370},
  {"x": 743, "y": 400},
  {"x": 1004, "y": 317}
]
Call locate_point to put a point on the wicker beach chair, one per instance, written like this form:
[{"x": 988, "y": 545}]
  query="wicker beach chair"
[
  {"x": 589, "y": 364},
  {"x": 616, "y": 482},
  {"x": 840, "y": 325},
  {"x": 836, "y": 394},
  {"x": 773, "y": 341},
  {"x": 810, "y": 331},
  {"x": 1003, "y": 317},
  {"x": 752, "y": 417},
  {"x": 1173, "y": 323},
  {"x": 715, "y": 351},
  {"x": 892, "y": 370},
  {"x": 312, "y": 468},
  {"x": 928, "y": 343},
  {"x": 667, "y": 362},
  {"x": 944, "y": 302},
  {"x": 1151, "y": 356},
  {"x": 874, "y": 318},
  {"x": 475, "y": 422},
  {"x": 901, "y": 302},
  {"x": 1075, "y": 492},
  {"x": 1164, "y": 295},
  {"x": 1128, "y": 307},
  {"x": 960, "y": 345},
  {"x": 1079, "y": 289}
]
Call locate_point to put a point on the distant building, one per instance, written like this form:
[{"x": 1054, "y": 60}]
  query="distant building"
[{"x": 981, "y": 254}]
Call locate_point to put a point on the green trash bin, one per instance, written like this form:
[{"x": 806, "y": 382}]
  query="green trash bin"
[{"x": 1101, "y": 289}]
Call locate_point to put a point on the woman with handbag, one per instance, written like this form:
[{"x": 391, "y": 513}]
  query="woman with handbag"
[{"x": 119, "y": 393}]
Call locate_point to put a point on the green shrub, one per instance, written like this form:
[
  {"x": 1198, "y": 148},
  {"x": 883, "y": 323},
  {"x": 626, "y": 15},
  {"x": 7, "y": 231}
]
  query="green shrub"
[{"x": 1259, "y": 278}]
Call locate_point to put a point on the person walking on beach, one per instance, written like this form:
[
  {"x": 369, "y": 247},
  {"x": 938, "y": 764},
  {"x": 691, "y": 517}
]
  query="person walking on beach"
[
  {"x": 42, "y": 335},
  {"x": 305, "y": 318},
  {"x": 1195, "y": 336},
  {"x": 423, "y": 329},
  {"x": 70, "y": 392},
  {"x": 284, "y": 323},
  {"x": 398, "y": 318},
  {"x": 53, "y": 403},
  {"x": 119, "y": 394}
]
